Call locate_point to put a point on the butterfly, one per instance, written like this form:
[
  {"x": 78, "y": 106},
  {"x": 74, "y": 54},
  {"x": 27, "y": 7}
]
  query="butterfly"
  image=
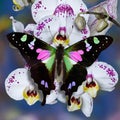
[{"x": 47, "y": 62}]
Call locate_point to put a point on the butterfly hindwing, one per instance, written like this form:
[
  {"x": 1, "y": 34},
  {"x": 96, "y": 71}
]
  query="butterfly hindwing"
[
  {"x": 39, "y": 56},
  {"x": 73, "y": 79},
  {"x": 79, "y": 56}
]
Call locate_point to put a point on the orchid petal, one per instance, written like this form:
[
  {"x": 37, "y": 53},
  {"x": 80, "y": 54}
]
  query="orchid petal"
[
  {"x": 77, "y": 35},
  {"x": 51, "y": 99},
  {"x": 16, "y": 82},
  {"x": 61, "y": 97},
  {"x": 78, "y": 6},
  {"x": 46, "y": 28},
  {"x": 111, "y": 8},
  {"x": 42, "y": 8},
  {"x": 65, "y": 13},
  {"x": 105, "y": 75},
  {"x": 87, "y": 104},
  {"x": 79, "y": 91},
  {"x": 17, "y": 25},
  {"x": 29, "y": 29}
]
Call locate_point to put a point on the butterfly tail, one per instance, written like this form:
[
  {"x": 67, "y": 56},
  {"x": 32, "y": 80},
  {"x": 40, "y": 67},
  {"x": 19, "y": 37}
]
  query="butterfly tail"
[{"x": 44, "y": 99}]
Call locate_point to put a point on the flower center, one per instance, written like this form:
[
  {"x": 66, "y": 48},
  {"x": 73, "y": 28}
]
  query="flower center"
[
  {"x": 60, "y": 37},
  {"x": 75, "y": 101},
  {"x": 91, "y": 84},
  {"x": 32, "y": 93}
]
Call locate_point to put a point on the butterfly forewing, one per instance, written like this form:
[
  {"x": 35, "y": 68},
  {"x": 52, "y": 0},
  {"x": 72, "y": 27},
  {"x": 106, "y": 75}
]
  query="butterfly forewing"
[
  {"x": 36, "y": 52},
  {"x": 87, "y": 51},
  {"x": 28, "y": 44}
]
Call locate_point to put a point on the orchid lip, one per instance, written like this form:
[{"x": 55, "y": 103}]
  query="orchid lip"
[
  {"x": 32, "y": 93},
  {"x": 73, "y": 100},
  {"x": 91, "y": 84}
]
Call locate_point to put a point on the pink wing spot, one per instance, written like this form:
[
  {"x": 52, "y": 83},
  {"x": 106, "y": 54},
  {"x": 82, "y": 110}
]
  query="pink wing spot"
[
  {"x": 38, "y": 50},
  {"x": 42, "y": 54},
  {"x": 81, "y": 52},
  {"x": 76, "y": 55}
]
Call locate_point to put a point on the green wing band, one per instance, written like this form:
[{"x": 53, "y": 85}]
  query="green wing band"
[{"x": 68, "y": 63}]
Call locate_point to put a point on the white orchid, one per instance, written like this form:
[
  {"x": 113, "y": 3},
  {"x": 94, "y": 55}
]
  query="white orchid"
[{"x": 65, "y": 18}]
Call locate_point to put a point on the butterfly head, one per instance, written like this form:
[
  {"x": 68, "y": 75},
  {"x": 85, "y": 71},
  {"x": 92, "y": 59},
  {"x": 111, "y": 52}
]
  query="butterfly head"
[{"x": 61, "y": 37}]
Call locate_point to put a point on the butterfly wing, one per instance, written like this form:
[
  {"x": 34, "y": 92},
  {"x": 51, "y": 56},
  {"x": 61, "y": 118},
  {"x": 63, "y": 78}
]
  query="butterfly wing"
[
  {"x": 87, "y": 51},
  {"x": 39, "y": 56},
  {"x": 79, "y": 56}
]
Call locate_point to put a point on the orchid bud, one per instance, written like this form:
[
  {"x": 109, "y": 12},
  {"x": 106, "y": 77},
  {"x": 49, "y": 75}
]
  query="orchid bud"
[
  {"x": 80, "y": 22},
  {"x": 101, "y": 25},
  {"x": 102, "y": 11}
]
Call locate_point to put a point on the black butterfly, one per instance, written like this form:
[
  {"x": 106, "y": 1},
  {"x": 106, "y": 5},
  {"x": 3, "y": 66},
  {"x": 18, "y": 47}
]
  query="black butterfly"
[{"x": 45, "y": 60}]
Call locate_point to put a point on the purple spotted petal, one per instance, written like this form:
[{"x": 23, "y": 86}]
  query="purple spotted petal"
[
  {"x": 16, "y": 82},
  {"x": 46, "y": 28},
  {"x": 42, "y": 8}
]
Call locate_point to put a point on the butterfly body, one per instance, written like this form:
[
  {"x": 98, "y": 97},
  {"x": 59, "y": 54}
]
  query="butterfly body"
[{"x": 47, "y": 62}]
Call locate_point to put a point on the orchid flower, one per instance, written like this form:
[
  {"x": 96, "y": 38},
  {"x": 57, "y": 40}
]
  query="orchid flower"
[
  {"x": 100, "y": 76},
  {"x": 64, "y": 17},
  {"x": 56, "y": 19},
  {"x": 19, "y": 85}
]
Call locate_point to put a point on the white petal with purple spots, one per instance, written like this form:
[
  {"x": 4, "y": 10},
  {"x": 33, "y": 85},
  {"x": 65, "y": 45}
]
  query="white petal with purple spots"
[{"x": 16, "y": 82}]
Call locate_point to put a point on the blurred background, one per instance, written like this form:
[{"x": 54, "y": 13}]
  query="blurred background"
[{"x": 106, "y": 105}]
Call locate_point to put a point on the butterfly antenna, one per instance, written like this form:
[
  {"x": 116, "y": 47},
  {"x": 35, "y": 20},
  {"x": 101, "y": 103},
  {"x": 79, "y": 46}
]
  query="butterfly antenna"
[
  {"x": 70, "y": 33},
  {"x": 50, "y": 31},
  {"x": 52, "y": 36},
  {"x": 69, "y": 98},
  {"x": 114, "y": 21},
  {"x": 44, "y": 99},
  {"x": 103, "y": 16}
]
